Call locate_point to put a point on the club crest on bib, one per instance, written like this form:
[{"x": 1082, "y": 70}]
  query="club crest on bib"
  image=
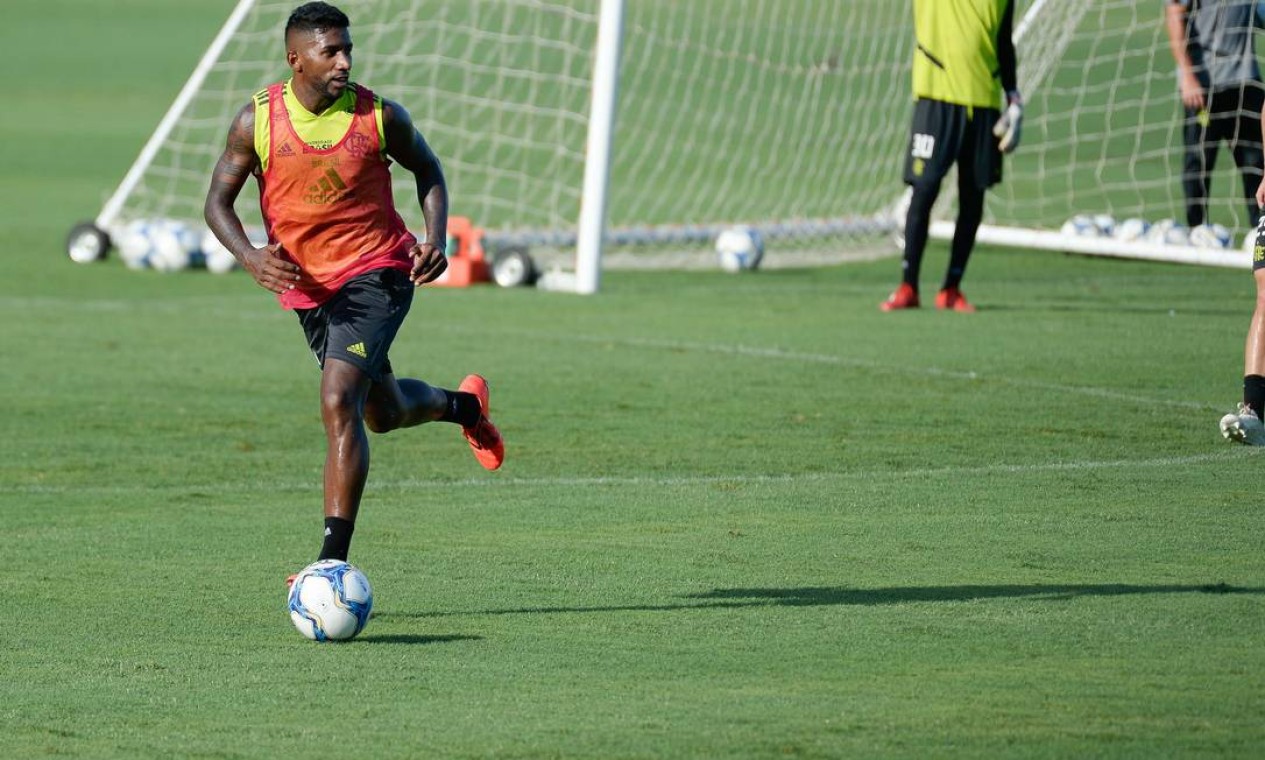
[{"x": 359, "y": 145}]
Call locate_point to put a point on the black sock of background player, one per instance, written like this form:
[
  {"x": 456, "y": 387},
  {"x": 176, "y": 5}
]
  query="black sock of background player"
[
  {"x": 337, "y": 538},
  {"x": 1254, "y": 393},
  {"x": 462, "y": 408}
]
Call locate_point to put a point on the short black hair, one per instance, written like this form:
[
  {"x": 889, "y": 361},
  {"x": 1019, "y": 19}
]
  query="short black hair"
[{"x": 311, "y": 17}]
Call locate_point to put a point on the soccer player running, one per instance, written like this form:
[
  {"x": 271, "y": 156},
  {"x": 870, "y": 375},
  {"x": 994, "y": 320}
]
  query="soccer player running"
[
  {"x": 1221, "y": 91},
  {"x": 338, "y": 253},
  {"x": 1244, "y": 425},
  {"x": 964, "y": 64}
]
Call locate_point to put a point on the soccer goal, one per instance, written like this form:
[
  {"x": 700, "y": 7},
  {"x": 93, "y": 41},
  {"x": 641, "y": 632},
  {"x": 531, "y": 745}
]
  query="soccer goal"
[
  {"x": 601, "y": 133},
  {"x": 1099, "y": 170}
]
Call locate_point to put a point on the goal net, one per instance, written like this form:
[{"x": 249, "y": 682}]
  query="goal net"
[
  {"x": 789, "y": 116},
  {"x": 1103, "y": 137}
]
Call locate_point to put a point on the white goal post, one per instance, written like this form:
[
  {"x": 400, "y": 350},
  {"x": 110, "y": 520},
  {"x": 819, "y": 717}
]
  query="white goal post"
[{"x": 605, "y": 133}]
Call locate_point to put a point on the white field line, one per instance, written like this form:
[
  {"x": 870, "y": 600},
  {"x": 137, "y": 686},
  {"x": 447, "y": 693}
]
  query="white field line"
[
  {"x": 752, "y": 352},
  {"x": 777, "y": 354},
  {"x": 1229, "y": 454}
]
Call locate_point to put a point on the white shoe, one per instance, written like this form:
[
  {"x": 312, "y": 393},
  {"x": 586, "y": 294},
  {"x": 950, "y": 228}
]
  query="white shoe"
[{"x": 1243, "y": 426}]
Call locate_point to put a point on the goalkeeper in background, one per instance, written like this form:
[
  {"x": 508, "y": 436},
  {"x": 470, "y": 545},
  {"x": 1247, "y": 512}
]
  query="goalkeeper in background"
[
  {"x": 1220, "y": 85},
  {"x": 967, "y": 111}
]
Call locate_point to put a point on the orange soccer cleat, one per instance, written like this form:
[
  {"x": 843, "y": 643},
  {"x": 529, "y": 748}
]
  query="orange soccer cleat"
[
  {"x": 953, "y": 300},
  {"x": 483, "y": 437},
  {"x": 905, "y": 297}
]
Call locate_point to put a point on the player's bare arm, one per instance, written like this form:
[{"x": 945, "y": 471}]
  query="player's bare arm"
[
  {"x": 407, "y": 148},
  {"x": 238, "y": 161},
  {"x": 1192, "y": 91}
]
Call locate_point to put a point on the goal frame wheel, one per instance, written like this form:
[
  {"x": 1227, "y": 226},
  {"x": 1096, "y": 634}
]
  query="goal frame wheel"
[
  {"x": 87, "y": 243},
  {"x": 513, "y": 267}
]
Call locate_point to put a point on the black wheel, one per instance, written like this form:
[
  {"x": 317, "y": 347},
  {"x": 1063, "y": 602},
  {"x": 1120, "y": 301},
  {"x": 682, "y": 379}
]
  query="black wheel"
[
  {"x": 87, "y": 243},
  {"x": 512, "y": 267}
]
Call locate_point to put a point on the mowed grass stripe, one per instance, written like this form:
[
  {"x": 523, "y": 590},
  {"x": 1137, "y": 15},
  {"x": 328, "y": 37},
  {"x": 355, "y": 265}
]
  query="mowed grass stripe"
[{"x": 1225, "y": 455}]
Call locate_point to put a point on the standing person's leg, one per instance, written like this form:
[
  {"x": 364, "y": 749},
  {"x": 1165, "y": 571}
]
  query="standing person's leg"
[
  {"x": 935, "y": 135},
  {"x": 1199, "y": 158},
  {"x": 970, "y": 214},
  {"x": 979, "y": 168},
  {"x": 1254, "y": 352},
  {"x": 1245, "y": 144},
  {"x": 917, "y": 229},
  {"x": 1244, "y": 425}
]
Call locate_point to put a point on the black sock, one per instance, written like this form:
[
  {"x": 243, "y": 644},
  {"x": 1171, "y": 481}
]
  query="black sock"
[
  {"x": 1254, "y": 393},
  {"x": 337, "y": 538},
  {"x": 462, "y": 408}
]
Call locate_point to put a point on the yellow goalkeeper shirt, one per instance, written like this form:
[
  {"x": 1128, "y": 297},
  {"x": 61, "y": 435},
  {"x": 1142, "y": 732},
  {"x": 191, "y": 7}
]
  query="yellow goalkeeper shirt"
[{"x": 956, "y": 56}]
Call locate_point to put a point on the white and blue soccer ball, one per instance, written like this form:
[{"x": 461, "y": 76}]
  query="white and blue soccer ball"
[
  {"x": 1081, "y": 225},
  {"x": 163, "y": 244},
  {"x": 1105, "y": 224},
  {"x": 1168, "y": 232},
  {"x": 135, "y": 242},
  {"x": 1131, "y": 230},
  {"x": 330, "y": 600},
  {"x": 1210, "y": 236},
  {"x": 739, "y": 249},
  {"x": 177, "y": 246},
  {"x": 219, "y": 260}
]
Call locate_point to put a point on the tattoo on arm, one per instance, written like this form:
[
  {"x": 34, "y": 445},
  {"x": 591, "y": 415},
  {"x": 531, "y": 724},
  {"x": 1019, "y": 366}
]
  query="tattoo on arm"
[{"x": 235, "y": 165}]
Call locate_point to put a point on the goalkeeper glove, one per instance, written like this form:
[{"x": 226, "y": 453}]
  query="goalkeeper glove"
[{"x": 1008, "y": 127}]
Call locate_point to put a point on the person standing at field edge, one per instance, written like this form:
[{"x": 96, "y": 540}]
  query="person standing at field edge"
[
  {"x": 1219, "y": 80},
  {"x": 964, "y": 65},
  {"x": 339, "y": 254},
  {"x": 1244, "y": 425}
]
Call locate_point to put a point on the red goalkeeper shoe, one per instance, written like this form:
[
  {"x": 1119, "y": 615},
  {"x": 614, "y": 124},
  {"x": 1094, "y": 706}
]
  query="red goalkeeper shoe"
[
  {"x": 953, "y": 300},
  {"x": 483, "y": 437},
  {"x": 905, "y": 297}
]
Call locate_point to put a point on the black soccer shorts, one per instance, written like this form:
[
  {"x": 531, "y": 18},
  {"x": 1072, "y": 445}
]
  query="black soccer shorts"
[
  {"x": 942, "y": 134},
  {"x": 1258, "y": 247},
  {"x": 358, "y": 324}
]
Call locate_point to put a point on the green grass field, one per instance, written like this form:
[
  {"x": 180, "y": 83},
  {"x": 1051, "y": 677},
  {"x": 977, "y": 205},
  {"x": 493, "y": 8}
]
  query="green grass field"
[{"x": 741, "y": 516}]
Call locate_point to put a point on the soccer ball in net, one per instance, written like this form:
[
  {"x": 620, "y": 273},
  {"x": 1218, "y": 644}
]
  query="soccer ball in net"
[
  {"x": 739, "y": 249},
  {"x": 219, "y": 260},
  {"x": 162, "y": 244},
  {"x": 1168, "y": 232},
  {"x": 176, "y": 246},
  {"x": 135, "y": 243},
  {"x": 1131, "y": 229},
  {"x": 1105, "y": 224},
  {"x": 1210, "y": 236},
  {"x": 1081, "y": 225},
  {"x": 330, "y": 600}
]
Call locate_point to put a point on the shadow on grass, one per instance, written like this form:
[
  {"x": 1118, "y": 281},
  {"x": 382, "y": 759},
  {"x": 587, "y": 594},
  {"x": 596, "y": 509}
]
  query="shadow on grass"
[
  {"x": 813, "y": 596},
  {"x": 810, "y": 596}
]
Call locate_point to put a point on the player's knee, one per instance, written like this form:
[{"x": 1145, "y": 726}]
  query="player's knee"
[
  {"x": 923, "y": 199},
  {"x": 381, "y": 421},
  {"x": 338, "y": 404}
]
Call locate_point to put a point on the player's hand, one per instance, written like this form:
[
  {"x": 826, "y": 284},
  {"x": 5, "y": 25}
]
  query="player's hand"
[
  {"x": 1008, "y": 127},
  {"x": 429, "y": 262},
  {"x": 1260, "y": 194},
  {"x": 1191, "y": 91},
  {"x": 271, "y": 269}
]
